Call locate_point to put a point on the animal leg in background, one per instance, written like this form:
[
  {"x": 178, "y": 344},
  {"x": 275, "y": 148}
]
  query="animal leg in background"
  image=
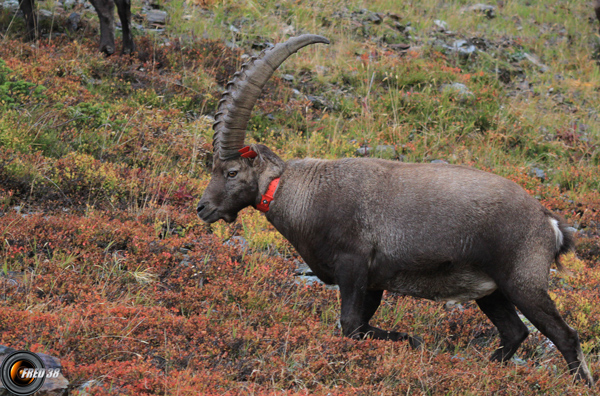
[
  {"x": 105, "y": 10},
  {"x": 27, "y": 7},
  {"x": 124, "y": 10}
]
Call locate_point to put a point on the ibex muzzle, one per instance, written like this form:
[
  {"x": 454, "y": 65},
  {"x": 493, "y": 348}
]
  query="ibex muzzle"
[{"x": 435, "y": 231}]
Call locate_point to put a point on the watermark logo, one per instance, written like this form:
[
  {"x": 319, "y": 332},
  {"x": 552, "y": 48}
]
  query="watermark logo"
[{"x": 24, "y": 373}]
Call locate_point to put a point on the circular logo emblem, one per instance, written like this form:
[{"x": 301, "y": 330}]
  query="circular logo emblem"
[{"x": 23, "y": 373}]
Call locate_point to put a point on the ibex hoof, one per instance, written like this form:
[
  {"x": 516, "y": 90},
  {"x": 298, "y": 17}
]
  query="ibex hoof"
[{"x": 415, "y": 342}]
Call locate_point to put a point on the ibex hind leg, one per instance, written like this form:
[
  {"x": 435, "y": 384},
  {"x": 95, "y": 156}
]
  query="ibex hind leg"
[
  {"x": 537, "y": 306},
  {"x": 504, "y": 316}
]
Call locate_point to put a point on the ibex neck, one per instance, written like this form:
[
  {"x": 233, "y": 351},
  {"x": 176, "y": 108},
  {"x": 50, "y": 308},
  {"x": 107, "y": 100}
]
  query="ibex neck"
[{"x": 268, "y": 196}]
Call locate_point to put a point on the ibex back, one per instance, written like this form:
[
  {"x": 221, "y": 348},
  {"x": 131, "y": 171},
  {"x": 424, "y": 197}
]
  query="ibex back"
[{"x": 435, "y": 231}]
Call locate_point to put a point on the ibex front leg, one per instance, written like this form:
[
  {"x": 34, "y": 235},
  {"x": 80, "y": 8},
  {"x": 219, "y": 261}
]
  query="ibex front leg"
[{"x": 359, "y": 305}]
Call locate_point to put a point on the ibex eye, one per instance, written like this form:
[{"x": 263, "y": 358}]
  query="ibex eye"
[{"x": 232, "y": 173}]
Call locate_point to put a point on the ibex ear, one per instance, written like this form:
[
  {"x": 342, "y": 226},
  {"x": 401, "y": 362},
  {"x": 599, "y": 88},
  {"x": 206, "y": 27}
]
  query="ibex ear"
[{"x": 266, "y": 164}]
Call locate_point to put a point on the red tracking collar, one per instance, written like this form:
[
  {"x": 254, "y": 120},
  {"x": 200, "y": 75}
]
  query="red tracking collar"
[{"x": 266, "y": 199}]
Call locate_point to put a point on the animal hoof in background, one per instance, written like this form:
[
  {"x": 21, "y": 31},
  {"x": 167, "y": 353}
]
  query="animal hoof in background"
[
  {"x": 415, "y": 342},
  {"x": 108, "y": 50},
  {"x": 128, "y": 51}
]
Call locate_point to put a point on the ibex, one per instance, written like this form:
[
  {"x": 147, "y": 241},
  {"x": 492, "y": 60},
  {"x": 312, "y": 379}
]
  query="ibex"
[{"x": 435, "y": 231}]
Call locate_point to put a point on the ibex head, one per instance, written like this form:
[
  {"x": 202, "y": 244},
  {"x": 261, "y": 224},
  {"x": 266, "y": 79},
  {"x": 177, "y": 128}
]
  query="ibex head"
[
  {"x": 241, "y": 173},
  {"x": 237, "y": 183}
]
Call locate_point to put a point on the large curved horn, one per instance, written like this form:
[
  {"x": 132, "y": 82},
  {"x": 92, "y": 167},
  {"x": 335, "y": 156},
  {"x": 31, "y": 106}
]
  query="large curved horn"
[{"x": 241, "y": 93}]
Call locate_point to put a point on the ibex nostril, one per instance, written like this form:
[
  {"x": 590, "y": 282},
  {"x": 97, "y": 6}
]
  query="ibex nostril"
[{"x": 200, "y": 208}]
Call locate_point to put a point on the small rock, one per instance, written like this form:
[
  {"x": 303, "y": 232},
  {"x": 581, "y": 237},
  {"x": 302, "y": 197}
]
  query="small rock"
[
  {"x": 374, "y": 18},
  {"x": 460, "y": 91},
  {"x": 442, "y": 25},
  {"x": 237, "y": 241},
  {"x": 535, "y": 60},
  {"x": 317, "y": 102},
  {"x": 385, "y": 150},
  {"x": 363, "y": 151},
  {"x": 462, "y": 47},
  {"x": 4, "y": 350},
  {"x": 400, "y": 47},
  {"x": 157, "y": 17},
  {"x": 439, "y": 161},
  {"x": 399, "y": 27},
  {"x": 453, "y": 305},
  {"x": 231, "y": 45},
  {"x": 321, "y": 70},
  {"x": 288, "y": 77},
  {"x": 302, "y": 269},
  {"x": 74, "y": 20},
  {"x": 83, "y": 390},
  {"x": 309, "y": 280},
  {"x": 45, "y": 14},
  {"x": 11, "y": 6},
  {"x": 395, "y": 17},
  {"x": 488, "y": 10},
  {"x": 518, "y": 361},
  {"x": 539, "y": 173}
]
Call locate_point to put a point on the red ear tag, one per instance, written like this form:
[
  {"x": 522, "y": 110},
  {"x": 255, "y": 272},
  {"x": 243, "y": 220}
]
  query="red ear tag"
[{"x": 247, "y": 153}]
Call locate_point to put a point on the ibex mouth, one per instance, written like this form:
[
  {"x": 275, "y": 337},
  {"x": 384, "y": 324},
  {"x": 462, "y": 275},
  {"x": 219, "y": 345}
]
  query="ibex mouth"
[
  {"x": 210, "y": 216},
  {"x": 207, "y": 215}
]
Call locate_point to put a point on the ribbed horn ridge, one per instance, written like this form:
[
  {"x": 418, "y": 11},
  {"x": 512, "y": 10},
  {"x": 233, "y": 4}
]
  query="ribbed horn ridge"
[{"x": 241, "y": 94}]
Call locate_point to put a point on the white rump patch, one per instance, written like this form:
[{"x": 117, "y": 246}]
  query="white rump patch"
[{"x": 557, "y": 232}]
